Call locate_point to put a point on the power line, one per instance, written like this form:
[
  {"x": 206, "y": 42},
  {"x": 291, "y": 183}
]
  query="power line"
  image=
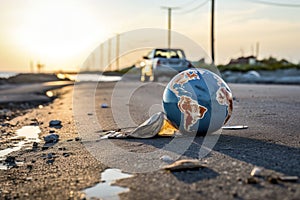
[
  {"x": 275, "y": 4},
  {"x": 195, "y": 8},
  {"x": 188, "y": 3}
]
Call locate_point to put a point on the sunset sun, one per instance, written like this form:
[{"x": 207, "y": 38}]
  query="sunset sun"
[{"x": 56, "y": 32}]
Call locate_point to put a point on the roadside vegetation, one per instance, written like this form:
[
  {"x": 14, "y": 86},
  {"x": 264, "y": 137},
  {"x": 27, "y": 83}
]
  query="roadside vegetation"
[{"x": 269, "y": 64}]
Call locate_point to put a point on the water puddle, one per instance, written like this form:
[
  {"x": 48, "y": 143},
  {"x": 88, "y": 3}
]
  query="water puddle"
[
  {"x": 105, "y": 190},
  {"x": 25, "y": 137}
]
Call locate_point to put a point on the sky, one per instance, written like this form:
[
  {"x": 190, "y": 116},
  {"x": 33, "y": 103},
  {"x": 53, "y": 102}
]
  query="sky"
[{"x": 62, "y": 34}]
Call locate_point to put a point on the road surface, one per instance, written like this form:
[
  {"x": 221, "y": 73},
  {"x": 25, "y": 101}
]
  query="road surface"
[{"x": 272, "y": 142}]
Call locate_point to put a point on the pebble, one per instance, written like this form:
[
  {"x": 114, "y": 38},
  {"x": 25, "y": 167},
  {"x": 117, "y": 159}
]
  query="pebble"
[
  {"x": 50, "y": 155},
  {"x": 66, "y": 154},
  {"x": 50, "y": 161},
  {"x": 45, "y": 148},
  {"x": 35, "y": 145},
  {"x": 256, "y": 171},
  {"x": 104, "y": 105},
  {"x": 166, "y": 158},
  {"x": 55, "y": 123},
  {"x": 62, "y": 148},
  {"x": 10, "y": 159},
  {"x": 52, "y": 138}
]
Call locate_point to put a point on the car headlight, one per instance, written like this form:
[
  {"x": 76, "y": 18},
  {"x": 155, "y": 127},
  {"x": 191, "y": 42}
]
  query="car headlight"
[{"x": 142, "y": 64}]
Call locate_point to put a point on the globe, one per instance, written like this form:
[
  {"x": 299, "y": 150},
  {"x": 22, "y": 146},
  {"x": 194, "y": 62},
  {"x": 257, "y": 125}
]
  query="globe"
[{"x": 197, "y": 101}]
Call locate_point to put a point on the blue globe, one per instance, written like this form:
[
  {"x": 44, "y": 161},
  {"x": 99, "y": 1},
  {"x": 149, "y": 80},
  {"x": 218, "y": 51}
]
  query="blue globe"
[{"x": 197, "y": 101}]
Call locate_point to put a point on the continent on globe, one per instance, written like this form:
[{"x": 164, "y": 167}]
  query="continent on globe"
[
  {"x": 191, "y": 110},
  {"x": 182, "y": 79},
  {"x": 224, "y": 97}
]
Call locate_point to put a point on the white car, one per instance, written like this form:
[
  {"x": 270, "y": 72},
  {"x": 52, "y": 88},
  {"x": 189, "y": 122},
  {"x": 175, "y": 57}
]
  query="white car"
[{"x": 163, "y": 62}]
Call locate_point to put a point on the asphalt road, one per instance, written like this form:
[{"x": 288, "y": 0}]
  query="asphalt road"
[{"x": 271, "y": 142}]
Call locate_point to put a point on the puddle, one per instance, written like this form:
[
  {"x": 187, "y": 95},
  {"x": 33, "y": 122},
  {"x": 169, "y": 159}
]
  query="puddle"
[
  {"x": 31, "y": 133},
  {"x": 25, "y": 136},
  {"x": 104, "y": 190}
]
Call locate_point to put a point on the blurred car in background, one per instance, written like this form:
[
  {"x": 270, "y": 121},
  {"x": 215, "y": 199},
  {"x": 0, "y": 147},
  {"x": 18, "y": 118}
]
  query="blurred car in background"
[{"x": 163, "y": 62}]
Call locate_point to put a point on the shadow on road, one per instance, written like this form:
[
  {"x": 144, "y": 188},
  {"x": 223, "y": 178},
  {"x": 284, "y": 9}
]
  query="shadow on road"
[
  {"x": 192, "y": 176},
  {"x": 271, "y": 156}
]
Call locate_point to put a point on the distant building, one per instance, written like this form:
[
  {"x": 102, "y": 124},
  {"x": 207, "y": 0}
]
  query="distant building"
[{"x": 249, "y": 60}]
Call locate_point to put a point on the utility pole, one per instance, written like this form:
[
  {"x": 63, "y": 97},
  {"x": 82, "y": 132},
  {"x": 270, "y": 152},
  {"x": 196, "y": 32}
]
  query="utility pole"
[
  {"x": 117, "y": 51},
  {"x": 257, "y": 50},
  {"x": 169, "y": 27},
  {"x": 169, "y": 23},
  {"x": 101, "y": 56},
  {"x": 213, "y": 31},
  {"x": 109, "y": 54}
]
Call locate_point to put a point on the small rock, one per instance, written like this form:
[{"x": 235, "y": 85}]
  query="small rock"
[
  {"x": 54, "y": 123},
  {"x": 45, "y": 148},
  {"x": 256, "y": 171},
  {"x": 10, "y": 160},
  {"x": 35, "y": 145},
  {"x": 66, "y": 154},
  {"x": 29, "y": 167},
  {"x": 34, "y": 123},
  {"x": 104, "y": 105},
  {"x": 52, "y": 131},
  {"x": 50, "y": 155},
  {"x": 167, "y": 159},
  {"x": 51, "y": 161},
  {"x": 52, "y": 138},
  {"x": 62, "y": 148},
  {"x": 77, "y": 139}
]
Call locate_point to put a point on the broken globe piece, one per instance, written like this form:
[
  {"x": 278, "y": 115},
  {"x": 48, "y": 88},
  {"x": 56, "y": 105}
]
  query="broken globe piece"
[{"x": 197, "y": 101}]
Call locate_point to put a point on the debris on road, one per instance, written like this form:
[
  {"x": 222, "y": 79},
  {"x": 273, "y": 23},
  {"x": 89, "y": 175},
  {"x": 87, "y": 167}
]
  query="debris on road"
[
  {"x": 167, "y": 129},
  {"x": 150, "y": 128},
  {"x": 182, "y": 165},
  {"x": 256, "y": 171},
  {"x": 289, "y": 178},
  {"x": 236, "y": 127}
]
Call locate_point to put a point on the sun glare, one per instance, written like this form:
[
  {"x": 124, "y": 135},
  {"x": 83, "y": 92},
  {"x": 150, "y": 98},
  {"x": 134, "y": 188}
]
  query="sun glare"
[{"x": 54, "y": 32}]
